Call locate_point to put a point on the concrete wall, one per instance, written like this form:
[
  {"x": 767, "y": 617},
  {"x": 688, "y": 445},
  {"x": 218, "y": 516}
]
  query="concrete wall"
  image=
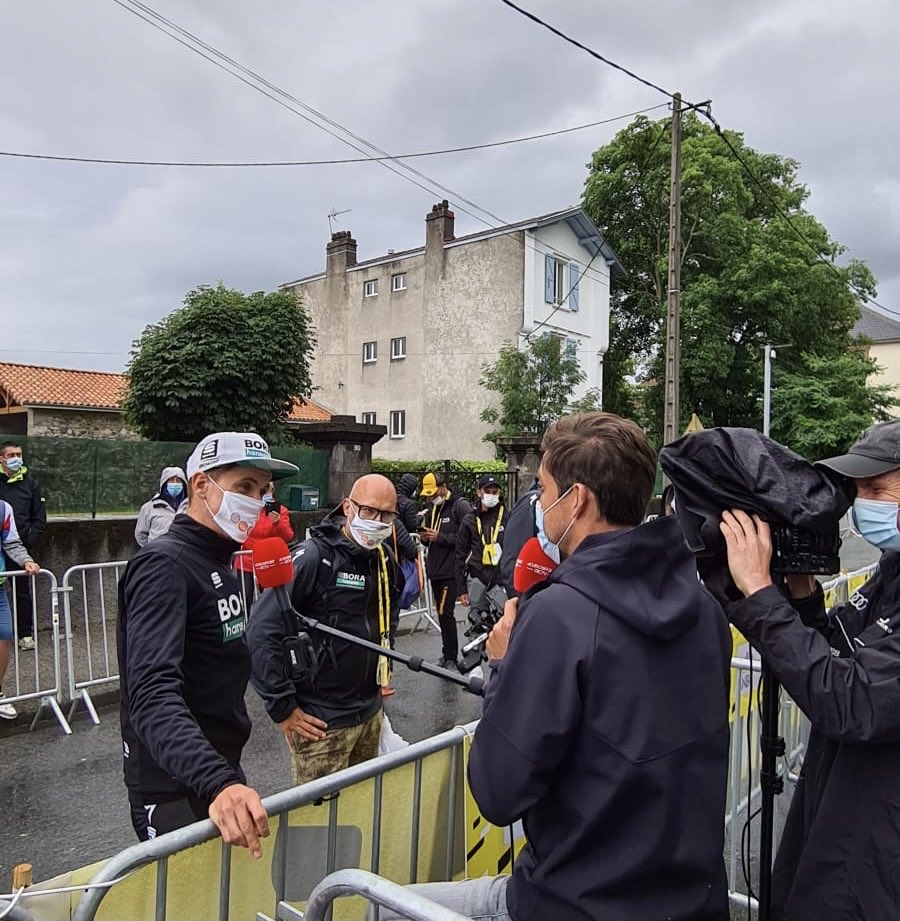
[{"x": 76, "y": 423}]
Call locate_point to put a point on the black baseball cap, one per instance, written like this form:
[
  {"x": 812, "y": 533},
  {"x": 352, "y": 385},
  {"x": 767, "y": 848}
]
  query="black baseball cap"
[
  {"x": 487, "y": 479},
  {"x": 876, "y": 451}
]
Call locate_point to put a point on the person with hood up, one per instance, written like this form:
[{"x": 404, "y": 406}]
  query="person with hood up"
[
  {"x": 605, "y": 723},
  {"x": 346, "y": 576},
  {"x": 407, "y": 514},
  {"x": 838, "y": 855},
  {"x": 156, "y": 515}
]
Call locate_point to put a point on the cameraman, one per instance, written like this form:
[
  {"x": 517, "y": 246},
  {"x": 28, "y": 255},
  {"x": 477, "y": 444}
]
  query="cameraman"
[
  {"x": 605, "y": 725},
  {"x": 839, "y": 852}
]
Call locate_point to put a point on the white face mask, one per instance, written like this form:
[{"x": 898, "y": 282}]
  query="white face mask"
[
  {"x": 489, "y": 500},
  {"x": 237, "y": 514},
  {"x": 437, "y": 500},
  {"x": 369, "y": 534}
]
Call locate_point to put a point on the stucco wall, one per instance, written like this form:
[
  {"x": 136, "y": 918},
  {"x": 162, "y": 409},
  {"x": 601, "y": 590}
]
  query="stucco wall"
[
  {"x": 73, "y": 423},
  {"x": 887, "y": 357}
]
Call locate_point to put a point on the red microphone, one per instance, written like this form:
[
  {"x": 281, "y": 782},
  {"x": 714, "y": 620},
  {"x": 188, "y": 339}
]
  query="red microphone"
[
  {"x": 532, "y": 566},
  {"x": 272, "y": 562}
]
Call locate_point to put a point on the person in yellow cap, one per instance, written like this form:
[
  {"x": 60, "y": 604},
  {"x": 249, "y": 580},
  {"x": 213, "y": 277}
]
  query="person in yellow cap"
[{"x": 441, "y": 523}]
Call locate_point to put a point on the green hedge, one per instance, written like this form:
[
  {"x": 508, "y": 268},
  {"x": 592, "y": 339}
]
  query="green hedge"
[{"x": 387, "y": 467}]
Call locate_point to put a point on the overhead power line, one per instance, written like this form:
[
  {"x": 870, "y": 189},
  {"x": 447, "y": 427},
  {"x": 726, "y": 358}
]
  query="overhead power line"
[
  {"x": 705, "y": 110},
  {"x": 116, "y": 161}
]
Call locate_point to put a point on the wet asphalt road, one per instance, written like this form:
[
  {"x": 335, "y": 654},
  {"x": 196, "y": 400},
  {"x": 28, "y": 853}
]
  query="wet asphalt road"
[{"x": 62, "y": 799}]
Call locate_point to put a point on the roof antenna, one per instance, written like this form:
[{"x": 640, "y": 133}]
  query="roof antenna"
[{"x": 333, "y": 216}]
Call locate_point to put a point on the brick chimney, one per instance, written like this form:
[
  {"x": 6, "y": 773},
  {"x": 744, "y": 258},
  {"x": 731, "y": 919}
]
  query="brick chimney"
[
  {"x": 340, "y": 253},
  {"x": 438, "y": 227}
]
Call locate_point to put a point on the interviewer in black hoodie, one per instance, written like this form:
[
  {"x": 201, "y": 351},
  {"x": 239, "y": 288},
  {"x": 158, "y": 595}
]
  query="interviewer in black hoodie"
[{"x": 605, "y": 723}]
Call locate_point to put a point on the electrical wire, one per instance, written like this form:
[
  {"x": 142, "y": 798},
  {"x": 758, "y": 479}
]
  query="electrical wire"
[
  {"x": 590, "y": 51},
  {"x": 206, "y": 164},
  {"x": 292, "y": 103}
]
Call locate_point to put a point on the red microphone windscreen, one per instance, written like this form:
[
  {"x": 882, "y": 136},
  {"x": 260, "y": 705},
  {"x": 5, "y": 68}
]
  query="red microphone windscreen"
[
  {"x": 272, "y": 562},
  {"x": 532, "y": 566}
]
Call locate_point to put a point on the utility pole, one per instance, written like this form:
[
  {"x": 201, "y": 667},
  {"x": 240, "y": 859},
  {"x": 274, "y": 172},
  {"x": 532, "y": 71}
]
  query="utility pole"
[
  {"x": 768, "y": 353},
  {"x": 673, "y": 315}
]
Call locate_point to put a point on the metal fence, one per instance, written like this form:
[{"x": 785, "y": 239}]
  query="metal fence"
[{"x": 36, "y": 674}]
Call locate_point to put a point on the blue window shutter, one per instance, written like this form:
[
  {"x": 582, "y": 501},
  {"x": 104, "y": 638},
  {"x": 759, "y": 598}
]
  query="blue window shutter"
[
  {"x": 574, "y": 275},
  {"x": 548, "y": 278},
  {"x": 572, "y": 349}
]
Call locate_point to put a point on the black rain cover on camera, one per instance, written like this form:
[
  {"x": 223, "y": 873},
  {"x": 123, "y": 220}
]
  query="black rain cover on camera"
[{"x": 726, "y": 468}]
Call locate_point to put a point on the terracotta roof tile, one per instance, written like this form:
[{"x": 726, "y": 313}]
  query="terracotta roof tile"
[
  {"x": 308, "y": 411},
  {"x": 34, "y": 385}
]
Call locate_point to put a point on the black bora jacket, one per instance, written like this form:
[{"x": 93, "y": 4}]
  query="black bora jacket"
[
  {"x": 184, "y": 666},
  {"x": 605, "y": 728},
  {"x": 343, "y": 595},
  {"x": 470, "y": 545},
  {"x": 839, "y": 856},
  {"x": 23, "y": 493},
  {"x": 446, "y": 519}
]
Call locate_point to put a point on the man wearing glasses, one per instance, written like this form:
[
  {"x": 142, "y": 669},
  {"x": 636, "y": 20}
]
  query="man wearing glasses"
[{"x": 346, "y": 576}]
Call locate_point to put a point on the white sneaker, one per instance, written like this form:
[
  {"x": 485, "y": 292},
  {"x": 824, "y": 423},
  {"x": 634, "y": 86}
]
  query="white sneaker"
[
  {"x": 26, "y": 643},
  {"x": 7, "y": 711}
]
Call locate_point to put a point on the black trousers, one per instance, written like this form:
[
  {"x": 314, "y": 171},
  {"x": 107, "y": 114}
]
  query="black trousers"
[
  {"x": 153, "y": 819},
  {"x": 444, "y": 592},
  {"x": 22, "y": 587}
]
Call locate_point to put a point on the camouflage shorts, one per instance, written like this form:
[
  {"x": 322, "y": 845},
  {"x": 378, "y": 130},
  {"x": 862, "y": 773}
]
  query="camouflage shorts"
[{"x": 339, "y": 749}]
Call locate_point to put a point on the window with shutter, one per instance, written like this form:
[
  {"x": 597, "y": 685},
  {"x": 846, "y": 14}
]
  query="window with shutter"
[{"x": 574, "y": 278}]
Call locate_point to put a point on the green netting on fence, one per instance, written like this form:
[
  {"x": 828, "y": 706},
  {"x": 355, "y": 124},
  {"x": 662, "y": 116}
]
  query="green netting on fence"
[{"x": 88, "y": 476}]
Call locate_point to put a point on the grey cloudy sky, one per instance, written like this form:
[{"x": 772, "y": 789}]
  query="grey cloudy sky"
[{"x": 91, "y": 254}]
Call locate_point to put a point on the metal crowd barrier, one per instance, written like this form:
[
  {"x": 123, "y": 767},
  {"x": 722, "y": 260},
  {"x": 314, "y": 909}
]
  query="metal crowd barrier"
[
  {"x": 97, "y": 664},
  {"x": 376, "y": 890},
  {"x": 36, "y": 674},
  {"x": 158, "y": 850}
]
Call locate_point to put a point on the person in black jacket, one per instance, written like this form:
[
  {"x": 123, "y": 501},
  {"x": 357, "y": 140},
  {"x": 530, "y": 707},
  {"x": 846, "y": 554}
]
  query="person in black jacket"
[
  {"x": 406, "y": 502},
  {"x": 346, "y": 576},
  {"x": 183, "y": 659},
  {"x": 838, "y": 856},
  {"x": 479, "y": 543},
  {"x": 22, "y": 491},
  {"x": 440, "y": 525},
  {"x": 605, "y": 723},
  {"x": 520, "y": 528}
]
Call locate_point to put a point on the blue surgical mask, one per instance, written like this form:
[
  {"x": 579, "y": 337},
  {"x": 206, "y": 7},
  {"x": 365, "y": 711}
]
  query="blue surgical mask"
[
  {"x": 174, "y": 489},
  {"x": 876, "y": 520},
  {"x": 14, "y": 464},
  {"x": 547, "y": 545}
]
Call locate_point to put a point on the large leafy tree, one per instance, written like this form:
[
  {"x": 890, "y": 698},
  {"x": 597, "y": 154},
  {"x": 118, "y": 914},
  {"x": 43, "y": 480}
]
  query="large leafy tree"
[
  {"x": 224, "y": 361},
  {"x": 822, "y": 404},
  {"x": 535, "y": 384},
  {"x": 747, "y": 278}
]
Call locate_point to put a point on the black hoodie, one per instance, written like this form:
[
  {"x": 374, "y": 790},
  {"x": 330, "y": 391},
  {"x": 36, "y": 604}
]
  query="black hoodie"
[
  {"x": 605, "y": 728},
  {"x": 335, "y": 581}
]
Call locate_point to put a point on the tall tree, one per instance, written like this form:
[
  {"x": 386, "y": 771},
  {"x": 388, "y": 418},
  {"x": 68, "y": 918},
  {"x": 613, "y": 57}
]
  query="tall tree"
[
  {"x": 535, "y": 384},
  {"x": 747, "y": 278},
  {"x": 224, "y": 361}
]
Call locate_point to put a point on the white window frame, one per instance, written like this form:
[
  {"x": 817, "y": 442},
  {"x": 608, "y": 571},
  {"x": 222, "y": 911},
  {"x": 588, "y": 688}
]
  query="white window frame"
[
  {"x": 398, "y": 423},
  {"x": 398, "y": 348},
  {"x": 370, "y": 418},
  {"x": 560, "y": 281},
  {"x": 370, "y": 288},
  {"x": 398, "y": 282},
  {"x": 370, "y": 355}
]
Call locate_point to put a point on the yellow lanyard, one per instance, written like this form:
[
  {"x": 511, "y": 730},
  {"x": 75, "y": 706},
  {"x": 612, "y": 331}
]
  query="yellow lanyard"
[
  {"x": 437, "y": 512},
  {"x": 383, "y": 673},
  {"x": 497, "y": 524}
]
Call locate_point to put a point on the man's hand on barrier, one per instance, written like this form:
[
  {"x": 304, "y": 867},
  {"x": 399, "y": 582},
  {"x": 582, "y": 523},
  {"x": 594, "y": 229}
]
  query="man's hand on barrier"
[
  {"x": 749, "y": 544},
  {"x": 498, "y": 638},
  {"x": 310, "y": 727},
  {"x": 31, "y": 568},
  {"x": 239, "y": 815}
]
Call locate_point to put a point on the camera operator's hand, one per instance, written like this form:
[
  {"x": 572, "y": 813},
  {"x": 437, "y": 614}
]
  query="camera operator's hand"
[
  {"x": 309, "y": 727},
  {"x": 749, "y": 544},
  {"x": 463, "y": 600},
  {"x": 498, "y": 638}
]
